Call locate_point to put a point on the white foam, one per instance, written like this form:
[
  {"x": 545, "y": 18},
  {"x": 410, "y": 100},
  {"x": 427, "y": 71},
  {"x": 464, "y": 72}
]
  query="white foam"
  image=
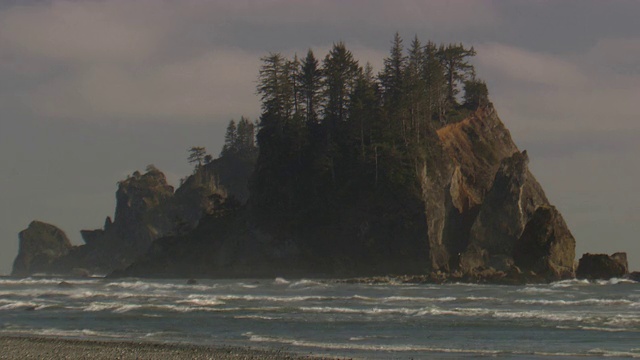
[
  {"x": 364, "y": 347},
  {"x": 417, "y": 299},
  {"x": 536, "y": 290},
  {"x": 304, "y": 283},
  {"x": 146, "y": 286},
  {"x": 613, "y": 353},
  {"x": 281, "y": 281},
  {"x": 615, "y": 281},
  {"x": 201, "y": 302},
  {"x": 575, "y": 302},
  {"x": 570, "y": 283},
  {"x": 255, "y": 317},
  {"x": 20, "y": 305}
]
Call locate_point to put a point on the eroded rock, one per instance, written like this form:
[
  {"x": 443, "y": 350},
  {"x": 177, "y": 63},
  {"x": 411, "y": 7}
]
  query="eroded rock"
[
  {"x": 41, "y": 246},
  {"x": 602, "y": 266}
]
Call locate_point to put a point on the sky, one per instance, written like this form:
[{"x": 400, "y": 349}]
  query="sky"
[{"x": 91, "y": 91}]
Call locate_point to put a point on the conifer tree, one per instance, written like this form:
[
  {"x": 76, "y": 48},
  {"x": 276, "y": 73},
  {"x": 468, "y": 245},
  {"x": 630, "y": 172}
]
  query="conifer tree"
[
  {"x": 274, "y": 85},
  {"x": 435, "y": 82},
  {"x": 196, "y": 155},
  {"x": 391, "y": 76},
  {"x": 476, "y": 93},
  {"x": 310, "y": 85},
  {"x": 230, "y": 139},
  {"x": 340, "y": 70},
  {"x": 415, "y": 88},
  {"x": 454, "y": 59}
]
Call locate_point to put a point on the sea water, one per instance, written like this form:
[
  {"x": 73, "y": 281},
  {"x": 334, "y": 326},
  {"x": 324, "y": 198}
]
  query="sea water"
[{"x": 383, "y": 321}]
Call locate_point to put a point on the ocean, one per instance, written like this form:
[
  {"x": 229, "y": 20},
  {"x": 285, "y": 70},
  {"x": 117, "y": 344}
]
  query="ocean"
[{"x": 381, "y": 321}]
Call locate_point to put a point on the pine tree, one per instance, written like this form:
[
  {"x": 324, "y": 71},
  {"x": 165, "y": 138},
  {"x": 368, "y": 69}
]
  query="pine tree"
[
  {"x": 246, "y": 136},
  {"x": 476, "y": 94},
  {"x": 454, "y": 59},
  {"x": 415, "y": 88},
  {"x": 230, "y": 139},
  {"x": 310, "y": 85},
  {"x": 391, "y": 76},
  {"x": 196, "y": 155},
  {"x": 274, "y": 85},
  {"x": 340, "y": 70},
  {"x": 435, "y": 82}
]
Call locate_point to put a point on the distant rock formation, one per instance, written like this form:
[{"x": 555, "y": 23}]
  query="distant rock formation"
[
  {"x": 41, "y": 245},
  {"x": 602, "y": 266},
  {"x": 475, "y": 213},
  {"x": 485, "y": 218},
  {"x": 147, "y": 208}
]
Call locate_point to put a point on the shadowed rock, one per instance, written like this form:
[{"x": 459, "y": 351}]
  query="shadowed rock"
[
  {"x": 546, "y": 246},
  {"x": 602, "y": 266},
  {"x": 41, "y": 245}
]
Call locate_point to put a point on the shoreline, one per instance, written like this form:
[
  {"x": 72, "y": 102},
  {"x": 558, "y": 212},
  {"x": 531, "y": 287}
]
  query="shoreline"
[{"x": 42, "y": 347}]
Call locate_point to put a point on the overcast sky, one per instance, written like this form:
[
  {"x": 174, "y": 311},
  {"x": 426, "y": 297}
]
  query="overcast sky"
[{"x": 93, "y": 90}]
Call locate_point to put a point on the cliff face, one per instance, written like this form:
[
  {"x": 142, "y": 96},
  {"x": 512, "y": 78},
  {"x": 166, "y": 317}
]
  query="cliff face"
[{"x": 476, "y": 213}]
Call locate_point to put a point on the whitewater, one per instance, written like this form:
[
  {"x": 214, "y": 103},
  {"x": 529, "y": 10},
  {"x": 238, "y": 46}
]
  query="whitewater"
[{"x": 380, "y": 321}]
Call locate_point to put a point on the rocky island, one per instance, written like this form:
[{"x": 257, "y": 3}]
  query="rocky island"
[{"x": 409, "y": 172}]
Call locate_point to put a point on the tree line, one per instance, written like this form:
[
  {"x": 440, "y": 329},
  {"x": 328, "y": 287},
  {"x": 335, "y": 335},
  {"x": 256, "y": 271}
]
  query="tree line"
[{"x": 332, "y": 124}]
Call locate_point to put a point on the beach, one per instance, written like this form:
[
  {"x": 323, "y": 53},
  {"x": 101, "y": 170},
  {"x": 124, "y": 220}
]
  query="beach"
[{"x": 25, "y": 347}]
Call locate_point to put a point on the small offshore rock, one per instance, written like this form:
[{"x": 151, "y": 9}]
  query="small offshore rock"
[{"x": 602, "y": 266}]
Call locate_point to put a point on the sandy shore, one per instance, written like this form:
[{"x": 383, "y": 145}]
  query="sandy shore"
[{"x": 49, "y": 348}]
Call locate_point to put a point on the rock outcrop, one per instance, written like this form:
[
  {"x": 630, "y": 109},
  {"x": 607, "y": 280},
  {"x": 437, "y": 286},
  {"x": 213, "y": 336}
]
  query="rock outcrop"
[
  {"x": 478, "y": 214},
  {"x": 546, "y": 246},
  {"x": 494, "y": 198},
  {"x": 41, "y": 245},
  {"x": 602, "y": 266},
  {"x": 465, "y": 206},
  {"x": 147, "y": 208}
]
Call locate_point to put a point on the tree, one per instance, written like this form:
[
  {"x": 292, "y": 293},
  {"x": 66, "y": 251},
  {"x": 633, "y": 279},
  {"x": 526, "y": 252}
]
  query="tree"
[
  {"x": 310, "y": 85},
  {"x": 196, "y": 155},
  {"x": 245, "y": 139},
  {"x": 415, "y": 88},
  {"x": 391, "y": 76},
  {"x": 274, "y": 85},
  {"x": 340, "y": 70},
  {"x": 476, "y": 93},
  {"x": 230, "y": 138},
  {"x": 435, "y": 82},
  {"x": 454, "y": 59}
]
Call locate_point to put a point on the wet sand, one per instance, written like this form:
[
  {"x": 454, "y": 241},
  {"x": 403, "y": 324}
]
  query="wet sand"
[{"x": 24, "y": 347}]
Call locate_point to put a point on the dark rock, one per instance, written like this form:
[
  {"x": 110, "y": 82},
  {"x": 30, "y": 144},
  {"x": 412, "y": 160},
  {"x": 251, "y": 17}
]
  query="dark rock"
[
  {"x": 65, "y": 285},
  {"x": 635, "y": 276},
  {"x": 503, "y": 215},
  {"x": 146, "y": 209},
  {"x": 476, "y": 200},
  {"x": 601, "y": 267},
  {"x": 461, "y": 206},
  {"x": 546, "y": 246},
  {"x": 192, "y": 282},
  {"x": 621, "y": 257},
  {"x": 41, "y": 246}
]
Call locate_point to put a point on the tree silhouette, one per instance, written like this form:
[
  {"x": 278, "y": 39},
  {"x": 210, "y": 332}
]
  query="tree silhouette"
[{"x": 196, "y": 155}]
